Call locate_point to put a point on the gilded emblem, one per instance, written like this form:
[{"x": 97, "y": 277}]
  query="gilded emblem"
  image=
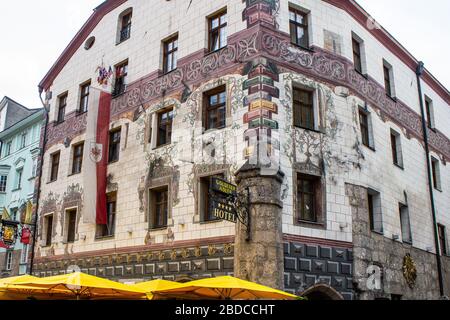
[
  {"x": 173, "y": 254},
  {"x": 198, "y": 252},
  {"x": 228, "y": 248},
  {"x": 212, "y": 250},
  {"x": 185, "y": 253},
  {"x": 409, "y": 270}
]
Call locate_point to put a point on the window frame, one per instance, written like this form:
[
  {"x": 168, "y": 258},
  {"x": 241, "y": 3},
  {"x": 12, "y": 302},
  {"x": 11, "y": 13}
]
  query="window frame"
[
  {"x": 114, "y": 157},
  {"x": 212, "y": 31},
  {"x": 71, "y": 229},
  {"x": 396, "y": 149},
  {"x": 388, "y": 75},
  {"x": 83, "y": 106},
  {"x": 364, "y": 127},
  {"x": 108, "y": 230},
  {"x": 204, "y": 199},
  {"x": 208, "y": 108},
  {"x": 403, "y": 209},
  {"x": 9, "y": 257},
  {"x": 357, "y": 54},
  {"x": 62, "y": 106},
  {"x": 316, "y": 199},
  {"x": 429, "y": 109},
  {"x": 54, "y": 173},
  {"x": 19, "y": 177},
  {"x": 48, "y": 229},
  {"x": 23, "y": 140},
  {"x": 125, "y": 26},
  {"x": 172, "y": 53},
  {"x": 3, "y": 183},
  {"x": 374, "y": 211},
  {"x": 298, "y": 106},
  {"x": 436, "y": 173},
  {"x": 77, "y": 158},
  {"x": 120, "y": 80},
  {"x": 294, "y": 24},
  {"x": 168, "y": 124},
  {"x": 154, "y": 218},
  {"x": 443, "y": 244}
]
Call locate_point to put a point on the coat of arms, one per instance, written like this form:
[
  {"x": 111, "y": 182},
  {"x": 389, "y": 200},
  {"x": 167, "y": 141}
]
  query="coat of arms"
[
  {"x": 8, "y": 232},
  {"x": 96, "y": 152},
  {"x": 409, "y": 270}
]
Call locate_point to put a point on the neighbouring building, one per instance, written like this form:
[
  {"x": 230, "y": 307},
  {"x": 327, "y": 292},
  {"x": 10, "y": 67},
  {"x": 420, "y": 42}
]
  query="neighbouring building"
[
  {"x": 19, "y": 137},
  {"x": 309, "y": 105}
]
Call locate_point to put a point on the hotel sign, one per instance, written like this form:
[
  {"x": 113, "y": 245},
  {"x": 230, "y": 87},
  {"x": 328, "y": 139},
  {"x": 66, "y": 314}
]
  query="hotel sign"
[
  {"x": 223, "y": 187},
  {"x": 224, "y": 210},
  {"x": 223, "y": 195}
]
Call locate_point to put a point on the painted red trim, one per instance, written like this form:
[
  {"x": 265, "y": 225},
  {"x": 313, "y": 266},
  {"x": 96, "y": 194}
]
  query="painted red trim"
[
  {"x": 317, "y": 241},
  {"x": 102, "y": 166},
  {"x": 78, "y": 41}
]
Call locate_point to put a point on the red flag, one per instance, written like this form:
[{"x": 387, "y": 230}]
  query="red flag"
[
  {"x": 26, "y": 236},
  {"x": 102, "y": 165}
]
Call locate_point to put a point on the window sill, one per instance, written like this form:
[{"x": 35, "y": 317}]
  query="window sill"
[
  {"x": 79, "y": 113},
  {"x": 409, "y": 243},
  {"x": 162, "y": 146},
  {"x": 438, "y": 189},
  {"x": 381, "y": 233},
  {"x": 74, "y": 174},
  {"x": 309, "y": 129},
  {"x": 104, "y": 238},
  {"x": 209, "y": 52},
  {"x": 57, "y": 123},
  {"x": 113, "y": 162},
  {"x": 211, "y": 221},
  {"x": 153, "y": 229},
  {"x": 15, "y": 190},
  {"x": 370, "y": 147},
  {"x": 165, "y": 73},
  {"x": 365, "y": 75},
  {"x": 311, "y": 224},
  {"x": 52, "y": 181},
  {"x": 399, "y": 166},
  {"x": 392, "y": 98},
  {"x": 122, "y": 41},
  {"x": 310, "y": 49}
]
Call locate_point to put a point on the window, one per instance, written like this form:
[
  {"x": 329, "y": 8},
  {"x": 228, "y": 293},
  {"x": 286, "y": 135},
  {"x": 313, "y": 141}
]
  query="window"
[
  {"x": 62, "y": 103},
  {"x": 204, "y": 198},
  {"x": 170, "y": 54},
  {"x": 396, "y": 149},
  {"x": 19, "y": 174},
  {"x": 303, "y": 101},
  {"x": 165, "y": 119},
  {"x": 24, "y": 254},
  {"x": 298, "y": 22},
  {"x": 114, "y": 145},
  {"x": 48, "y": 220},
  {"x": 54, "y": 166},
  {"x": 23, "y": 140},
  {"x": 77, "y": 160},
  {"x": 8, "y": 148},
  {"x": 125, "y": 25},
  {"x": 159, "y": 199},
  {"x": 215, "y": 109},
  {"x": 217, "y": 25},
  {"x": 374, "y": 210},
  {"x": 3, "y": 183},
  {"x": 442, "y": 239},
  {"x": 14, "y": 214},
  {"x": 34, "y": 168},
  {"x": 357, "y": 58},
  {"x": 308, "y": 198},
  {"x": 108, "y": 229},
  {"x": 120, "y": 78},
  {"x": 388, "y": 79},
  {"x": 430, "y": 112},
  {"x": 405, "y": 224},
  {"x": 436, "y": 172},
  {"x": 84, "y": 97},
  {"x": 366, "y": 128},
  {"x": 71, "y": 225},
  {"x": 9, "y": 260}
]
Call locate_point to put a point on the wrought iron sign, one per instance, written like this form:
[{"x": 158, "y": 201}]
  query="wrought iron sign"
[{"x": 229, "y": 204}]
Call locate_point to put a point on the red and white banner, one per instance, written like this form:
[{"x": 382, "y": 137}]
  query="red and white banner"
[{"x": 95, "y": 157}]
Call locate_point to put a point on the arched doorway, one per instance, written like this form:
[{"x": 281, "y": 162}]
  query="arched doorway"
[{"x": 322, "y": 292}]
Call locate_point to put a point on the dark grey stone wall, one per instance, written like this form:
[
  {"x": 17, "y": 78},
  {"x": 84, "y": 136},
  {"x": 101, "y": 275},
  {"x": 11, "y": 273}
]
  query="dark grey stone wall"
[{"x": 306, "y": 265}]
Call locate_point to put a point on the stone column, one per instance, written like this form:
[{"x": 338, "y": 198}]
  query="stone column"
[{"x": 261, "y": 258}]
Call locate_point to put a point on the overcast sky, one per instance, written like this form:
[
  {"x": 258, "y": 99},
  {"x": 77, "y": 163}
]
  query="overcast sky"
[{"x": 34, "y": 33}]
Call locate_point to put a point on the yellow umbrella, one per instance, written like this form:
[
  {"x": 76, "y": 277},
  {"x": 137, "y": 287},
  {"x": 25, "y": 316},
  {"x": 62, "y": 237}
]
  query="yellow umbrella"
[
  {"x": 157, "y": 285},
  {"x": 18, "y": 279},
  {"x": 80, "y": 286},
  {"x": 228, "y": 288}
]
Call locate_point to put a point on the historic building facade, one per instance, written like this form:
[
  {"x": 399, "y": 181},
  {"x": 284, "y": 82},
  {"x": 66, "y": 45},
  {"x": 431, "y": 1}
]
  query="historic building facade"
[
  {"x": 307, "y": 105},
  {"x": 19, "y": 138}
]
